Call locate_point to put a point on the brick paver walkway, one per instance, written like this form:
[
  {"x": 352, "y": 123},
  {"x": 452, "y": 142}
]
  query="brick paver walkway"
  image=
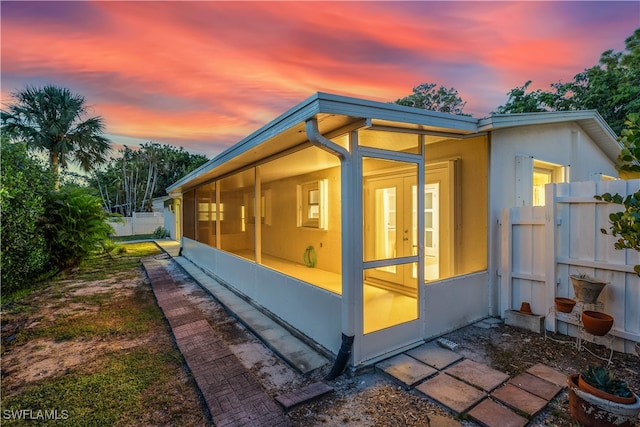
[{"x": 232, "y": 394}]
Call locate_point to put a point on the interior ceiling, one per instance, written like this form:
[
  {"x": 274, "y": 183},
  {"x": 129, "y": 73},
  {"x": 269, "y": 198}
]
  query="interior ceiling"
[{"x": 299, "y": 163}]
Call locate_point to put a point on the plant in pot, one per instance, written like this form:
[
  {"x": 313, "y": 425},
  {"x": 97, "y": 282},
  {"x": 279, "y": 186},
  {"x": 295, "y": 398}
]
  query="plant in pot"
[
  {"x": 601, "y": 382},
  {"x": 586, "y": 288},
  {"x": 598, "y": 398}
]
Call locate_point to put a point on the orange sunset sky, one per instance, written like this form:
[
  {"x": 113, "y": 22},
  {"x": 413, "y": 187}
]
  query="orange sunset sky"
[{"x": 202, "y": 75}]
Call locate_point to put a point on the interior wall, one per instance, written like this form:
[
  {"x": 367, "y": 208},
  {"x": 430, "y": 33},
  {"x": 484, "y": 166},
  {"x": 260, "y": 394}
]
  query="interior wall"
[
  {"x": 283, "y": 238},
  {"x": 471, "y": 199}
]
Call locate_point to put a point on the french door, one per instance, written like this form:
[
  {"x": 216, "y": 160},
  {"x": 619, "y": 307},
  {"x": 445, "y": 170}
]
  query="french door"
[{"x": 391, "y": 220}]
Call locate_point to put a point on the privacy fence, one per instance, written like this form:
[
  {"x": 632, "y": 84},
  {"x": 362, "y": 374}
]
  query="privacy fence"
[
  {"x": 542, "y": 246},
  {"x": 139, "y": 223}
]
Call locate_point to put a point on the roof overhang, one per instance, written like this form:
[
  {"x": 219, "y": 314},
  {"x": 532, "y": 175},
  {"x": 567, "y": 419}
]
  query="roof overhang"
[
  {"x": 589, "y": 120},
  {"x": 337, "y": 114},
  {"x": 333, "y": 113}
]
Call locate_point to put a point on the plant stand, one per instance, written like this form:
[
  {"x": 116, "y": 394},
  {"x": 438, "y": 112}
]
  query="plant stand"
[{"x": 575, "y": 318}]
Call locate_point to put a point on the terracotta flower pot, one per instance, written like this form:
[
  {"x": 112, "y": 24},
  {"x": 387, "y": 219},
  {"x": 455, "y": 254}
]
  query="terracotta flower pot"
[
  {"x": 593, "y": 411},
  {"x": 564, "y": 305},
  {"x": 525, "y": 308},
  {"x": 585, "y": 386},
  {"x": 597, "y": 323}
]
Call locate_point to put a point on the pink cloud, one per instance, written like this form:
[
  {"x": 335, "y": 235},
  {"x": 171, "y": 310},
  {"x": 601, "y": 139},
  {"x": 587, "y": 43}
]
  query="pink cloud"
[{"x": 205, "y": 72}]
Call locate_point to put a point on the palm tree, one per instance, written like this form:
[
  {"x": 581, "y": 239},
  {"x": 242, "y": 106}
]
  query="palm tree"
[{"x": 50, "y": 119}]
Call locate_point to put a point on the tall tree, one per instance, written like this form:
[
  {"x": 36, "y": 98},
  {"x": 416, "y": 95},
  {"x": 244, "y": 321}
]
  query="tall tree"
[
  {"x": 612, "y": 87},
  {"x": 625, "y": 225},
  {"x": 426, "y": 96},
  {"x": 53, "y": 120},
  {"x": 128, "y": 183}
]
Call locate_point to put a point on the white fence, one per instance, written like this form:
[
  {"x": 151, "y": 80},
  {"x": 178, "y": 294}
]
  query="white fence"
[
  {"x": 542, "y": 246},
  {"x": 139, "y": 223}
]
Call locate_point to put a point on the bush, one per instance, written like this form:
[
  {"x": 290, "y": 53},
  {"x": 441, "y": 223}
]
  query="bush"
[
  {"x": 161, "y": 233},
  {"x": 24, "y": 188},
  {"x": 75, "y": 226}
]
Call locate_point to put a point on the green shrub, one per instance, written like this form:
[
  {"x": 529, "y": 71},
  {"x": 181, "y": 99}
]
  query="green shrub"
[
  {"x": 161, "y": 233},
  {"x": 24, "y": 188},
  {"x": 75, "y": 226}
]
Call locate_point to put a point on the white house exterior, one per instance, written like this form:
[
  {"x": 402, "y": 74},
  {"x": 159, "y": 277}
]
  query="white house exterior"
[
  {"x": 317, "y": 218},
  {"x": 557, "y": 147}
]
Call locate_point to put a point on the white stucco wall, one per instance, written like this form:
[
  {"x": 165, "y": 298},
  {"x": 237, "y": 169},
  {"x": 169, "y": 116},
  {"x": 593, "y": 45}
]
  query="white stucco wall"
[
  {"x": 563, "y": 144},
  {"x": 465, "y": 298},
  {"x": 170, "y": 222}
]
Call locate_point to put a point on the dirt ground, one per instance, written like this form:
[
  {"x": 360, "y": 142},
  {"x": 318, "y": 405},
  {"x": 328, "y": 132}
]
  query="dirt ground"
[
  {"x": 364, "y": 399},
  {"x": 372, "y": 399}
]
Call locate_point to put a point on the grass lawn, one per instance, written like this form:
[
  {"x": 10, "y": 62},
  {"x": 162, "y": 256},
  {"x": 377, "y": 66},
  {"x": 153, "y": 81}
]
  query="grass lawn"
[
  {"x": 118, "y": 239},
  {"x": 93, "y": 349}
]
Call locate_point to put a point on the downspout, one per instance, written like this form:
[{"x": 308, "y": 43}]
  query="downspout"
[
  {"x": 342, "y": 358},
  {"x": 348, "y": 329}
]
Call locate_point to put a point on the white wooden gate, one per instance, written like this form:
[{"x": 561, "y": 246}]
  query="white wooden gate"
[{"x": 541, "y": 246}]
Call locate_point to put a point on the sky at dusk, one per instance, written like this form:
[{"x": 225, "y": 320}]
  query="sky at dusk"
[{"x": 202, "y": 75}]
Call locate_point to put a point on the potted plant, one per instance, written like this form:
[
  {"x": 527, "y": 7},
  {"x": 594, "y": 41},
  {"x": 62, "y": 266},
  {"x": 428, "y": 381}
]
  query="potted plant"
[
  {"x": 603, "y": 383},
  {"x": 598, "y": 398},
  {"x": 586, "y": 288}
]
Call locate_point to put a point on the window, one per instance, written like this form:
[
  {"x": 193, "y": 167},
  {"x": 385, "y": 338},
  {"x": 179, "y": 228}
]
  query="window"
[
  {"x": 532, "y": 176},
  {"x": 541, "y": 177},
  {"x": 312, "y": 205}
]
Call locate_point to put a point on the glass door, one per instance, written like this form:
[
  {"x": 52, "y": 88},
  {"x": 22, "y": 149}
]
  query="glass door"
[
  {"x": 391, "y": 225},
  {"x": 390, "y": 245}
]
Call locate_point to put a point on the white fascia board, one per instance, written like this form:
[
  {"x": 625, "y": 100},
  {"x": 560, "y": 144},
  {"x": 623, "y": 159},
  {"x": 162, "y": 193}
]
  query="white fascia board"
[
  {"x": 337, "y": 104},
  {"x": 599, "y": 131},
  {"x": 497, "y": 121}
]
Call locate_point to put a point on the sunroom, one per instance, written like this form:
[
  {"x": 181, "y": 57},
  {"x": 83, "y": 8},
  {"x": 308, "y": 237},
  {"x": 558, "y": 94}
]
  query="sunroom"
[{"x": 346, "y": 218}]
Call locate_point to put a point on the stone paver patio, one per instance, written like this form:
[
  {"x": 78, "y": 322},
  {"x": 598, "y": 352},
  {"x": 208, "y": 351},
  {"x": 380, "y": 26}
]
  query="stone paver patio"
[{"x": 464, "y": 386}]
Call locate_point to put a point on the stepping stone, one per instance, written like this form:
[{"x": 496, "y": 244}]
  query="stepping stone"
[
  {"x": 442, "y": 421},
  {"x": 549, "y": 374},
  {"x": 477, "y": 374},
  {"x": 406, "y": 370},
  {"x": 304, "y": 395},
  {"x": 452, "y": 393},
  {"x": 434, "y": 355},
  {"x": 483, "y": 325},
  {"x": 492, "y": 414},
  {"x": 519, "y": 399},
  {"x": 536, "y": 385}
]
